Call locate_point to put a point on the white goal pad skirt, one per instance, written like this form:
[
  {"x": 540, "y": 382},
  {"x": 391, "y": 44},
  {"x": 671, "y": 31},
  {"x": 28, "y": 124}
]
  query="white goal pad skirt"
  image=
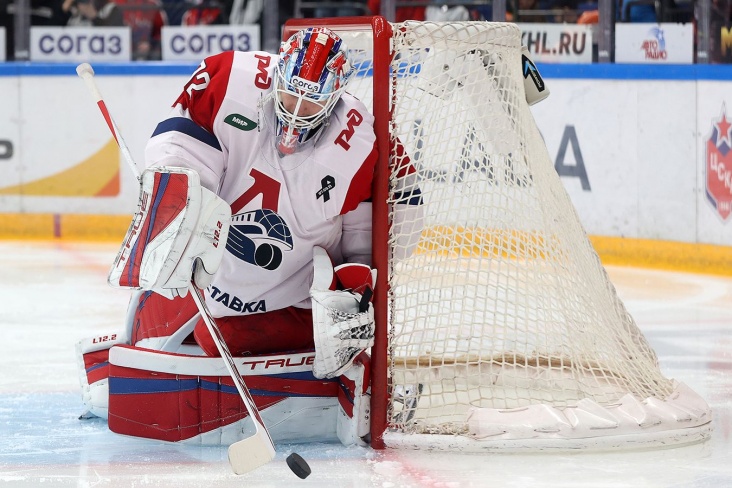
[{"x": 504, "y": 331}]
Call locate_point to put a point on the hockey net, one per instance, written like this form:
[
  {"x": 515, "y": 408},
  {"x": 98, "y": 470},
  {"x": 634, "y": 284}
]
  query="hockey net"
[{"x": 501, "y": 330}]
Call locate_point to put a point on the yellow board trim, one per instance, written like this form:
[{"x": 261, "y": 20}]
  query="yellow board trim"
[
  {"x": 676, "y": 256},
  {"x": 646, "y": 253},
  {"x": 98, "y": 175},
  {"x": 73, "y": 227}
]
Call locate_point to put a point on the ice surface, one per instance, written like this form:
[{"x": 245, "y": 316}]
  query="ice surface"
[{"x": 53, "y": 294}]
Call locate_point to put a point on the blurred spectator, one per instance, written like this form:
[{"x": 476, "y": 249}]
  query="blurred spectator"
[
  {"x": 244, "y": 12},
  {"x": 721, "y": 11},
  {"x": 402, "y": 13},
  {"x": 523, "y": 11},
  {"x": 43, "y": 12},
  {"x": 589, "y": 17},
  {"x": 637, "y": 11},
  {"x": 286, "y": 11},
  {"x": 344, "y": 11},
  {"x": 482, "y": 12},
  {"x": 93, "y": 12},
  {"x": 213, "y": 12},
  {"x": 588, "y": 12},
  {"x": 174, "y": 10},
  {"x": 720, "y": 17},
  {"x": 146, "y": 19},
  {"x": 443, "y": 13},
  {"x": 205, "y": 12},
  {"x": 568, "y": 8},
  {"x": 682, "y": 11},
  {"x": 459, "y": 13}
]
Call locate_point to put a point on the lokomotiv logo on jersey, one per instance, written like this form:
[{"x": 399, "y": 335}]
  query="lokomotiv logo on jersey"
[
  {"x": 259, "y": 236},
  {"x": 719, "y": 166}
]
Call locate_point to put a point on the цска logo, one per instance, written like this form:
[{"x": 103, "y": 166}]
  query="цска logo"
[
  {"x": 655, "y": 48},
  {"x": 718, "y": 166}
]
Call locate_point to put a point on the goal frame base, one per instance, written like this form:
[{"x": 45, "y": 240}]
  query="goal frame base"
[
  {"x": 452, "y": 443},
  {"x": 683, "y": 418}
]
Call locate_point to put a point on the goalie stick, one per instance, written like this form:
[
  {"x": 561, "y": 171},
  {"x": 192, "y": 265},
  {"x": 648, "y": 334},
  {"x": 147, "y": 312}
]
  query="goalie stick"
[{"x": 258, "y": 449}]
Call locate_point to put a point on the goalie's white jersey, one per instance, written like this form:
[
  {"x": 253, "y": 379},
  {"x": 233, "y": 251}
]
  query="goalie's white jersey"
[{"x": 222, "y": 125}]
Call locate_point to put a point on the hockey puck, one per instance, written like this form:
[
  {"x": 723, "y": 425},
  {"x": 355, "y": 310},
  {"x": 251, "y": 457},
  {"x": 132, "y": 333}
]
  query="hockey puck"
[{"x": 298, "y": 465}]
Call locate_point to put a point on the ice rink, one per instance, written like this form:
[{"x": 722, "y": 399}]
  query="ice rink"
[{"x": 54, "y": 294}]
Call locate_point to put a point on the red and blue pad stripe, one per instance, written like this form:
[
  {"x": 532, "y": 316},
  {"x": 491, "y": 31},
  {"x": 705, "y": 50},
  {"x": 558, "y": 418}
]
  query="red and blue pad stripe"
[
  {"x": 158, "y": 209},
  {"x": 175, "y": 405}
]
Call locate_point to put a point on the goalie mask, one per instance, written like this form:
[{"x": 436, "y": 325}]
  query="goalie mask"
[{"x": 311, "y": 75}]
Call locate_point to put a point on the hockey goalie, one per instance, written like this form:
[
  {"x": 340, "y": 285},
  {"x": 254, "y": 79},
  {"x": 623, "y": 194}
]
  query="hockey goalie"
[{"x": 257, "y": 188}]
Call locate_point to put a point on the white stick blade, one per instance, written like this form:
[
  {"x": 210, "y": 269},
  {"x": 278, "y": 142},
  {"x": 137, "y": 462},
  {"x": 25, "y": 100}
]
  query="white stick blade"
[{"x": 251, "y": 453}]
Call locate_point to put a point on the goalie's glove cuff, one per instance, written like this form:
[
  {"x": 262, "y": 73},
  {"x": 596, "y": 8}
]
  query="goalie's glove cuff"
[{"x": 343, "y": 320}]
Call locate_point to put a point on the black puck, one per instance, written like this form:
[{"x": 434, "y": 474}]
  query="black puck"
[{"x": 298, "y": 465}]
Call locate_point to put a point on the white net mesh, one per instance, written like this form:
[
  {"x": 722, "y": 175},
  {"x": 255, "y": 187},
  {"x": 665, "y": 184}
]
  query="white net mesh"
[{"x": 504, "y": 304}]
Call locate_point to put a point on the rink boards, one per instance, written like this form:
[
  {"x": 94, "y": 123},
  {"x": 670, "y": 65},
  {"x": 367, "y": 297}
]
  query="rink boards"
[{"x": 641, "y": 149}]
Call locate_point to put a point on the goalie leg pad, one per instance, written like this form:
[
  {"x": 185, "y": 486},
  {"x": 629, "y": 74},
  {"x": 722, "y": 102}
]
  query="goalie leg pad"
[
  {"x": 92, "y": 360},
  {"x": 163, "y": 324},
  {"x": 355, "y": 403},
  {"x": 181, "y": 398},
  {"x": 152, "y": 321}
]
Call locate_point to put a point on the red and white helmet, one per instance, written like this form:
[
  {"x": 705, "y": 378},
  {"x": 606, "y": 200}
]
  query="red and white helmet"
[{"x": 311, "y": 75}]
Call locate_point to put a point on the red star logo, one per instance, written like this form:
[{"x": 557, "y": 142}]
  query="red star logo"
[{"x": 723, "y": 127}]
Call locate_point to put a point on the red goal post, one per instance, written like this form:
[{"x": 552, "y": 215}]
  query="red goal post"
[
  {"x": 501, "y": 330},
  {"x": 381, "y": 30}
]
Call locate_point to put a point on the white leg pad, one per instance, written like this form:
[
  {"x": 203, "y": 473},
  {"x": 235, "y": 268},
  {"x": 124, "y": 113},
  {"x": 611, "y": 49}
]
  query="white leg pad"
[
  {"x": 355, "y": 404},
  {"x": 92, "y": 359}
]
